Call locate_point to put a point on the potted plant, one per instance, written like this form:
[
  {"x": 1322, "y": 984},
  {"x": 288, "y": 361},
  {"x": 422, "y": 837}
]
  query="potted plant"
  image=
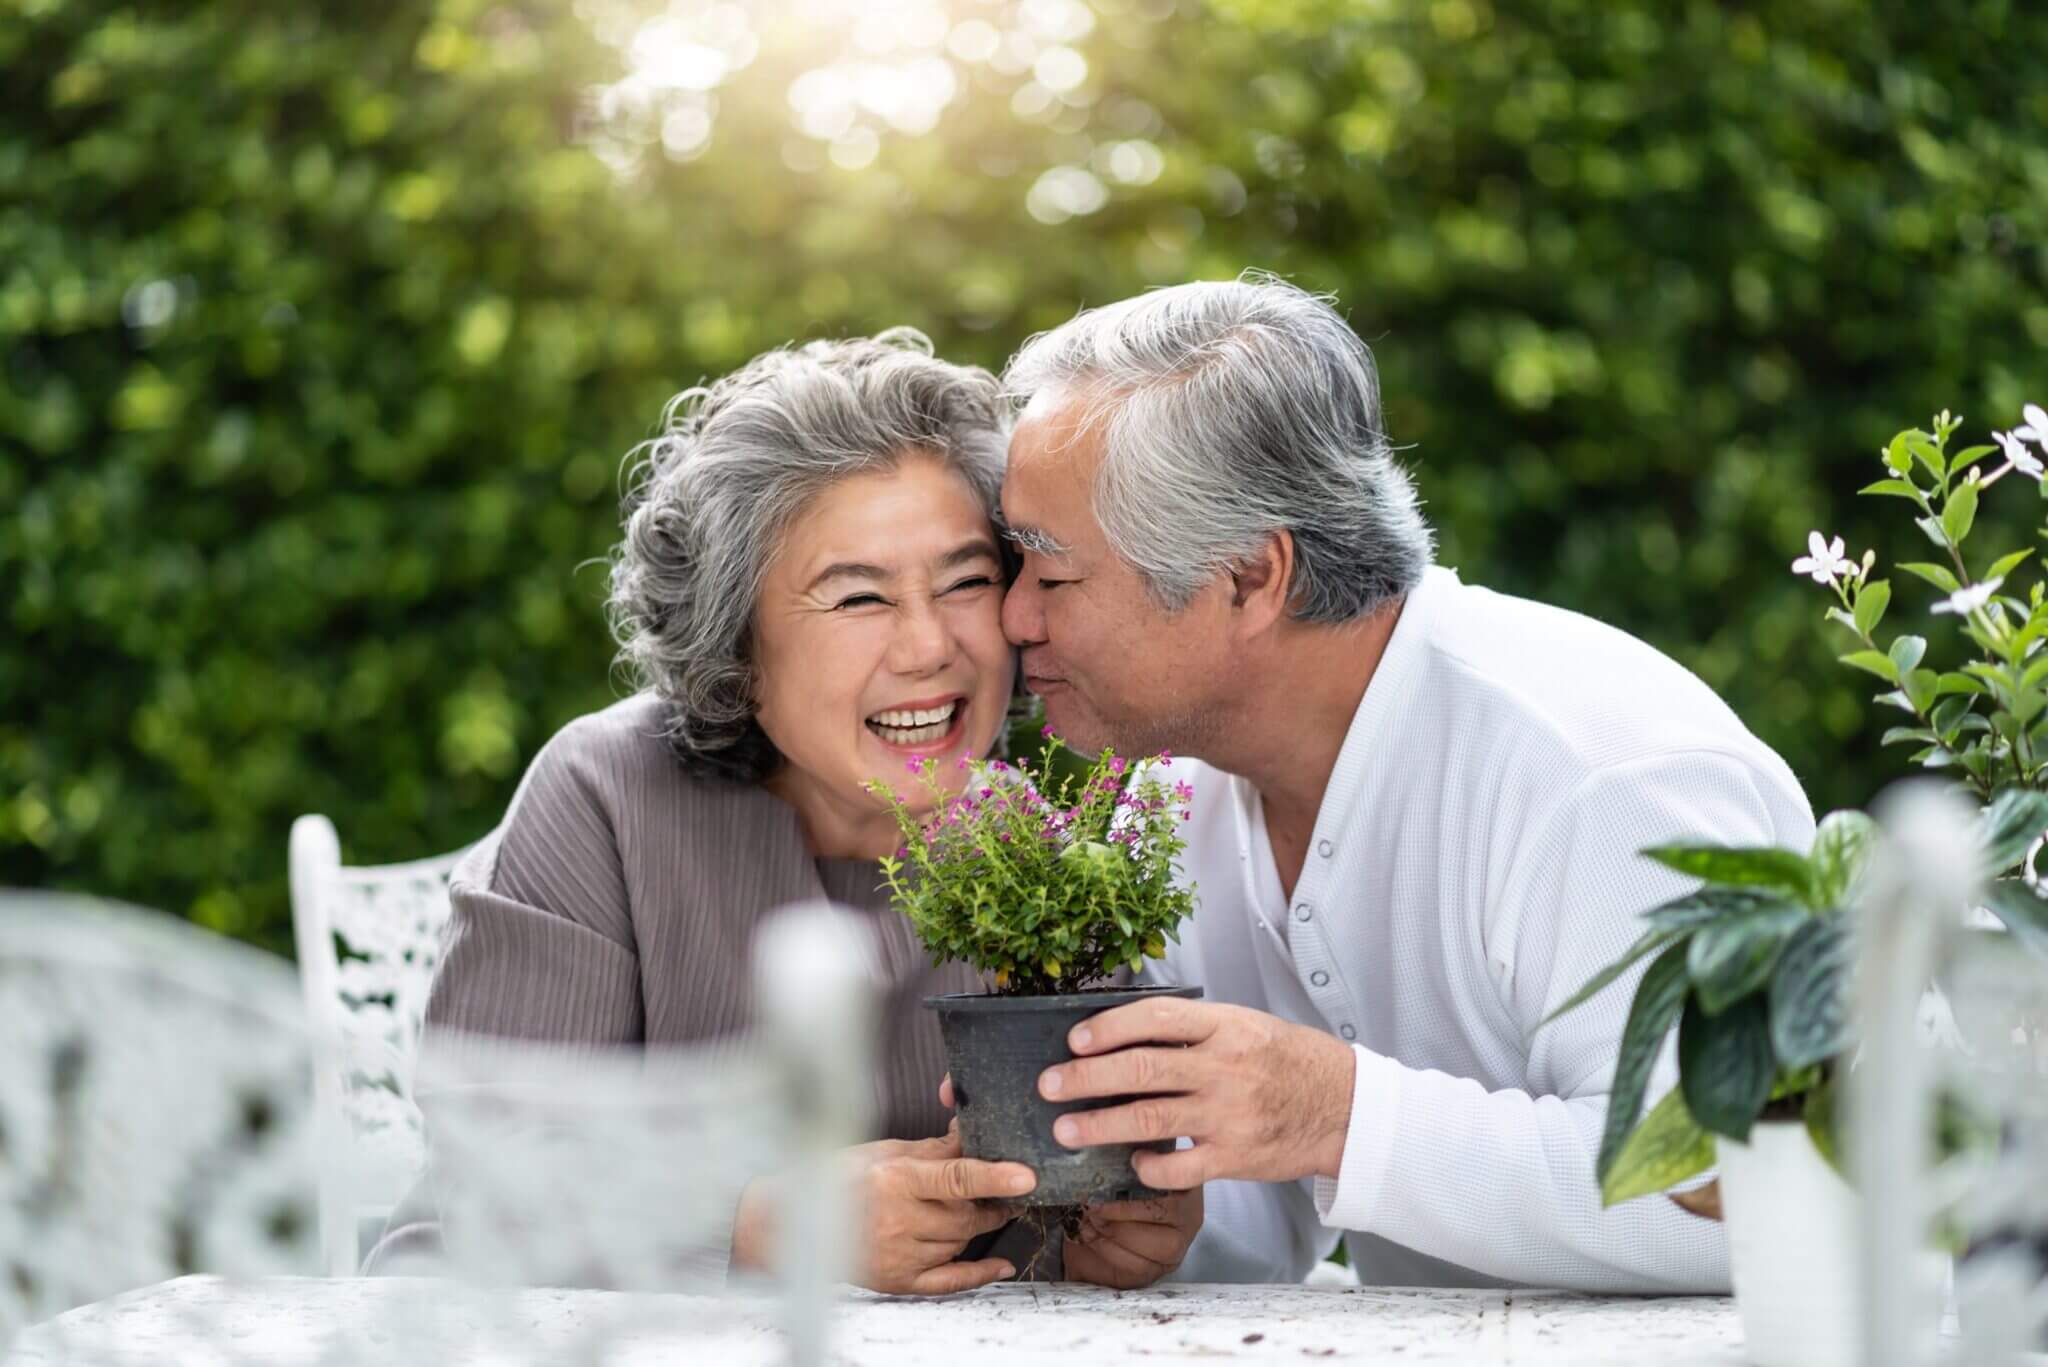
[
  {"x": 1751, "y": 968},
  {"x": 1048, "y": 888}
]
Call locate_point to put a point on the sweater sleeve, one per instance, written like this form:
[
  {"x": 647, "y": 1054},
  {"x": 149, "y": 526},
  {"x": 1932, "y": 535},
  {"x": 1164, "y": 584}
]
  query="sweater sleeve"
[
  {"x": 539, "y": 943},
  {"x": 1503, "y": 1182}
]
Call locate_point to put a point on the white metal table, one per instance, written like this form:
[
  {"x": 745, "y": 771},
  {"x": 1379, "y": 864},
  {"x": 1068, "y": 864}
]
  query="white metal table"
[{"x": 200, "y": 1321}]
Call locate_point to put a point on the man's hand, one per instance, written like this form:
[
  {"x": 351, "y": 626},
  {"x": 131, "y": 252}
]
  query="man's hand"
[
  {"x": 1129, "y": 1244},
  {"x": 1262, "y": 1099},
  {"x": 917, "y": 1208}
]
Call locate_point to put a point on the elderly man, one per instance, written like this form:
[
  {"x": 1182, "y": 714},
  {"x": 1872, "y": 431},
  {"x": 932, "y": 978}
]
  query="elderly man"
[{"x": 1416, "y": 816}]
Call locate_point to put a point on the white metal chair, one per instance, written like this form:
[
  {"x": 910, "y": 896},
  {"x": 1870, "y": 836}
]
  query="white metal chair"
[
  {"x": 368, "y": 937},
  {"x": 1994, "y": 1196},
  {"x": 155, "y": 1118}
]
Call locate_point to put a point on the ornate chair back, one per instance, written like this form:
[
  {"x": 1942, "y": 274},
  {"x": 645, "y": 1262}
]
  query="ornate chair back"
[{"x": 368, "y": 937}]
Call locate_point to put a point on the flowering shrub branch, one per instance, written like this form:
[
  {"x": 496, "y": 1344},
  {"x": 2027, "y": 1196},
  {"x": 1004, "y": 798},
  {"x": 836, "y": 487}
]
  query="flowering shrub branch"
[
  {"x": 1987, "y": 719},
  {"x": 1045, "y": 891}
]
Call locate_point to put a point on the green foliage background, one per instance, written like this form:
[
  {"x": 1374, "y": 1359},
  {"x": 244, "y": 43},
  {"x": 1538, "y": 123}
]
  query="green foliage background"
[{"x": 323, "y": 330}]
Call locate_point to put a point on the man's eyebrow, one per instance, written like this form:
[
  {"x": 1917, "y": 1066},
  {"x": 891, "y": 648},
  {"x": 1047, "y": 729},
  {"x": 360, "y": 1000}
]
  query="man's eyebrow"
[{"x": 1034, "y": 539}]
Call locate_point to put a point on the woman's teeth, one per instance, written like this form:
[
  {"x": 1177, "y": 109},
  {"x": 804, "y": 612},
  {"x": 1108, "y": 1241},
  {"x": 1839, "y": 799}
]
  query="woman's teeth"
[{"x": 914, "y": 726}]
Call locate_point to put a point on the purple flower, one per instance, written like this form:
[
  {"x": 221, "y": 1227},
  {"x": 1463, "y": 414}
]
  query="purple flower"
[
  {"x": 988, "y": 792},
  {"x": 913, "y": 766},
  {"x": 1046, "y": 730},
  {"x": 1185, "y": 791},
  {"x": 1117, "y": 765}
]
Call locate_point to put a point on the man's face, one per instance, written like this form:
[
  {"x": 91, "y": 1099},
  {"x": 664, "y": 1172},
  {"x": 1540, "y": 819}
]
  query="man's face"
[{"x": 1113, "y": 667}]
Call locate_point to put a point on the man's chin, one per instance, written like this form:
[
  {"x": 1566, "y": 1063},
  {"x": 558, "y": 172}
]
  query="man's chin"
[{"x": 1081, "y": 729}]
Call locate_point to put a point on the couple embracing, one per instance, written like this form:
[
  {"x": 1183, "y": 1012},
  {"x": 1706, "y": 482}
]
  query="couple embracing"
[{"x": 1417, "y": 802}]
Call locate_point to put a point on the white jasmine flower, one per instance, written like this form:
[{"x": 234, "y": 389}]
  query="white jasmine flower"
[
  {"x": 2036, "y": 429},
  {"x": 1826, "y": 560},
  {"x": 2014, "y": 445},
  {"x": 1963, "y": 602}
]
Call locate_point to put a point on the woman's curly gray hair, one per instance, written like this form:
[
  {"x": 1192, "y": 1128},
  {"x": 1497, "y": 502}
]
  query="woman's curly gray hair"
[{"x": 708, "y": 500}]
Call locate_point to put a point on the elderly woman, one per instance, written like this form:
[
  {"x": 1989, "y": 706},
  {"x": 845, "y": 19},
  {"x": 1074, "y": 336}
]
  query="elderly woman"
[{"x": 808, "y": 594}]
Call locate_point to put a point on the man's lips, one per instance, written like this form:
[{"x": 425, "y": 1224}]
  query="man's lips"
[{"x": 1037, "y": 676}]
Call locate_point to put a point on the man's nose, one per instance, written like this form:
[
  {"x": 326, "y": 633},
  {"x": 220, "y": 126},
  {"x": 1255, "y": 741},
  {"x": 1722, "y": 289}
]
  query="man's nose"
[{"x": 1024, "y": 612}]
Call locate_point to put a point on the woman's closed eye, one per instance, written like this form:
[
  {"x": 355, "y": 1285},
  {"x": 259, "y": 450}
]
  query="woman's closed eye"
[{"x": 862, "y": 600}]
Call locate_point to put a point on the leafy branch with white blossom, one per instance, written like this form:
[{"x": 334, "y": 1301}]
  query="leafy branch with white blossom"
[{"x": 1986, "y": 720}]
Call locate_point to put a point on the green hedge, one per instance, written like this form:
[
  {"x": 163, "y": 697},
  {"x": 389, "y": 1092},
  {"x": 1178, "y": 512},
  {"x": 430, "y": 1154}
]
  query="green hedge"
[{"x": 324, "y": 331}]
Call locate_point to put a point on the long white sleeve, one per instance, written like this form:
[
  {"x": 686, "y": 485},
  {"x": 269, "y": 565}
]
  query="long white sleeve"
[{"x": 1502, "y": 1181}]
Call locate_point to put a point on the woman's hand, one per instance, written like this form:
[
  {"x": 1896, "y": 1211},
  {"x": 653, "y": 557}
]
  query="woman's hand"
[
  {"x": 917, "y": 1209},
  {"x": 1129, "y": 1244}
]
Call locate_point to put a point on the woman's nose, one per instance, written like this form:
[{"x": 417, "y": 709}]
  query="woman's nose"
[{"x": 924, "y": 641}]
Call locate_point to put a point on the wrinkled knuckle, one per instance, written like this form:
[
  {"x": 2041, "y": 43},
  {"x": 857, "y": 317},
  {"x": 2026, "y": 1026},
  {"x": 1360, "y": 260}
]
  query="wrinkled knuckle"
[{"x": 1153, "y": 1118}]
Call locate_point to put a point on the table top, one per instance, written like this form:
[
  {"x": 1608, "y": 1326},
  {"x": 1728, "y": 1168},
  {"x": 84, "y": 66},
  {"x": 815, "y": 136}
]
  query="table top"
[{"x": 389, "y": 1319}]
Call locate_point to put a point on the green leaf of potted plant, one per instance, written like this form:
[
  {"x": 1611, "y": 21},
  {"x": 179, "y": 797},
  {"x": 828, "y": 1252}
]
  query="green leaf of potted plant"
[{"x": 1049, "y": 889}]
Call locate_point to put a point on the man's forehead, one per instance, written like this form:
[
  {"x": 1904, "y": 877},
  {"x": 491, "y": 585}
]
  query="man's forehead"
[{"x": 1056, "y": 435}]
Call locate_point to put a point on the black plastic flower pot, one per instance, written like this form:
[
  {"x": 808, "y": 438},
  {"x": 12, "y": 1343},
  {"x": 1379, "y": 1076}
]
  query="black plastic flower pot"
[{"x": 995, "y": 1049}]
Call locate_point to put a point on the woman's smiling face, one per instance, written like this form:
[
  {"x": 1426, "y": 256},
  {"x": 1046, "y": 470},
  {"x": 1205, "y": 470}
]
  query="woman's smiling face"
[{"x": 878, "y": 642}]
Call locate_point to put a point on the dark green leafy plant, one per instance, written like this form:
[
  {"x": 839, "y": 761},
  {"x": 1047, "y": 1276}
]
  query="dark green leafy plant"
[
  {"x": 1752, "y": 967},
  {"x": 1047, "y": 887}
]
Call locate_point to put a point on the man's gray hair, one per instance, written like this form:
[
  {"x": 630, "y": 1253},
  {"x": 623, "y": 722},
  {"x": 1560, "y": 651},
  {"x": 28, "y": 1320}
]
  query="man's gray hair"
[
  {"x": 1231, "y": 410},
  {"x": 707, "y": 502}
]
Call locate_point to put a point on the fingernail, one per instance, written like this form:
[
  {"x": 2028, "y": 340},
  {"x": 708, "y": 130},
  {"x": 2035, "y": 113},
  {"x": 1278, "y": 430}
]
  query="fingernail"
[
  {"x": 1066, "y": 1130},
  {"x": 1081, "y": 1037},
  {"x": 1007, "y": 1273},
  {"x": 1049, "y": 1082},
  {"x": 1023, "y": 1182}
]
